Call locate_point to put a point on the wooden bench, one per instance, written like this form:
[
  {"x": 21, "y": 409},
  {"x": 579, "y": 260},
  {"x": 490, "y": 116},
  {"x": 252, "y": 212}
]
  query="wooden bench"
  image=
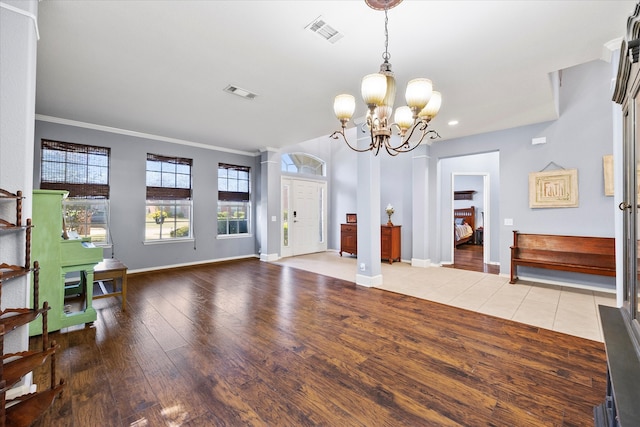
[
  {"x": 111, "y": 269},
  {"x": 579, "y": 254}
]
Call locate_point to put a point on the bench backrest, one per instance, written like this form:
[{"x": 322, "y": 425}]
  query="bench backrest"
[
  {"x": 574, "y": 250},
  {"x": 575, "y": 244}
]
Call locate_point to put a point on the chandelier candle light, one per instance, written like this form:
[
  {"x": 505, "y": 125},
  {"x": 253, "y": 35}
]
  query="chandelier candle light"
[{"x": 379, "y": 92}]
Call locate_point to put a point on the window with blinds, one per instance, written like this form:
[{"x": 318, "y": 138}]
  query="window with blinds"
[
  {"x": 169, "y": 198},
  {"x": 234, "y": 199},
  {"x": 83, "y": 171}
]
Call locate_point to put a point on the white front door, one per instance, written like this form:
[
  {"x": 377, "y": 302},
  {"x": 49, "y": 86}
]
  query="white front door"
[{"x": 304, "y": 216}]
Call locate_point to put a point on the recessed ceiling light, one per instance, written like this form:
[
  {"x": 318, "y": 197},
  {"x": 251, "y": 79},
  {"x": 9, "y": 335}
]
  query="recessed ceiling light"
[{"x": 452, "y": 122}]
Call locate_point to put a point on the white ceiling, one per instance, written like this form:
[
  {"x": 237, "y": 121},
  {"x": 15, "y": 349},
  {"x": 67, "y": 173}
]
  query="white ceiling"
[{"x": 160, "y": 67}]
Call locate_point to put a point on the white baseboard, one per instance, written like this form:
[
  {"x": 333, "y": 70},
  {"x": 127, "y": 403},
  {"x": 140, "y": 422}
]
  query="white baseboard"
[
  {"x": 422, "y": 263},
  {"x": 269, "y": 257},
  {"x": 368, "y": 281},
  {"x": 188, "y": 264}
]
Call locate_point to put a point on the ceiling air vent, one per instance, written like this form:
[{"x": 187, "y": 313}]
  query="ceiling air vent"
[
  {"x": 240, "y": 92},
  {"x": 324, "y": 30}
]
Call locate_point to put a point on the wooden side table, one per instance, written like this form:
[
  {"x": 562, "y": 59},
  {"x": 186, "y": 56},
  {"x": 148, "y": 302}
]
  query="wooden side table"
[
  {"x": 111, "y": 269},
  {"x": 390, "y": 242}
]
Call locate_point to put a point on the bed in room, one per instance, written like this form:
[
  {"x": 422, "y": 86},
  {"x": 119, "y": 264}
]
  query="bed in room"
[{"x": 463, "y": 226}]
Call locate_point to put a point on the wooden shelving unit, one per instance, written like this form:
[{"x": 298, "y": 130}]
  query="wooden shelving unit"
[
  {"x": 25, "y": 409},
  {"x": 463, "y": 195}
]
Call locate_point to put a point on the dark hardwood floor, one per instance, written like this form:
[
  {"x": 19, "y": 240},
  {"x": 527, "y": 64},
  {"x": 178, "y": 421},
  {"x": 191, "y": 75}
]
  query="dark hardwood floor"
[
  {"x": 469, "y": 257},
  {"x": 253, "y": 343}
]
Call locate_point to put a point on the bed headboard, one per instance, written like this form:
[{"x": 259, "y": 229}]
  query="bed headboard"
[{"x": 468, "y": 214}]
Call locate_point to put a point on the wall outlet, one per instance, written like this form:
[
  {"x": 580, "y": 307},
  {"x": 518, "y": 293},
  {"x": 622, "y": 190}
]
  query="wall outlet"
[{"x": 362, "y": 266}]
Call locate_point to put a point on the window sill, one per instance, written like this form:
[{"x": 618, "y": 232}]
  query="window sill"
[
  {"x": 233, "y": 236},
  {"x": 163, "y": 241}
]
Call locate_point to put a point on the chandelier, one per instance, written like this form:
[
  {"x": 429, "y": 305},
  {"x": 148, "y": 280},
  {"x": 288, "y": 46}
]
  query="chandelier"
[{"x": 379, "y": 92}]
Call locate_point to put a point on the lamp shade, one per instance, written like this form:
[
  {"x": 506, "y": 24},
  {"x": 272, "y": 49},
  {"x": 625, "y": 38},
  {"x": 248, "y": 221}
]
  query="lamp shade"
[
  {"x": 432, "y": 108},
  {"x": 383, "y": 114},
  {"x": 418, "y": 93},
  {"x": 390, "y": 96},
  {"x": 374, "y": 88},
  {"x": 343, "y": 106},
  {"x": 403, "y": 117}
]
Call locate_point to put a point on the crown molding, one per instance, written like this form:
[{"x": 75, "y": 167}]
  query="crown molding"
[{"x": 135, "y": 134}]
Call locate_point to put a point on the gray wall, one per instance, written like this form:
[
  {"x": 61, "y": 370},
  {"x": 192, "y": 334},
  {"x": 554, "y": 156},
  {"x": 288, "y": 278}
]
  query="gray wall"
[
  {"x": 580, "y": 137},
  {"x": 128, "y": 195},
  {"x": 470, "y": 182},
  {"x": 395, "y": 188},
  {"x": 343, "y": 180},
  {"x": 396, "y": 175}
]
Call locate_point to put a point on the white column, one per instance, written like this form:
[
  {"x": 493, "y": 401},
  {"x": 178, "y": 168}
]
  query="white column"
[
  {"x": 268, "y": 223},
  {"x": 18, "y": 49},
  {"x": 420, "y": 210},
  {"x": 369, "y": 272}
]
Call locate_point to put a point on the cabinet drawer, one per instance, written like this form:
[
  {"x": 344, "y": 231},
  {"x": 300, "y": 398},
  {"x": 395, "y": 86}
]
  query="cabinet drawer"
[{"x": 347, "y": 228}]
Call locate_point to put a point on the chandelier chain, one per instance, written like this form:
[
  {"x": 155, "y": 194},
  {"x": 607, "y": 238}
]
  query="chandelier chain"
[{"x": 386, "y": 56}]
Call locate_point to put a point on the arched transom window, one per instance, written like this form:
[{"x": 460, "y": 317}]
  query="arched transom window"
[{"x": 301, "y": 163}]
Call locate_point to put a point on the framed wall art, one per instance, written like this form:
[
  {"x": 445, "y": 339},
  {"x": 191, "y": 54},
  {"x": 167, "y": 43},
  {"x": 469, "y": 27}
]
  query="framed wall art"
[
  {"x": 607, "y": 165},
  {"x": 352, "y": 218},
  {"x": 553, "y": 189}
]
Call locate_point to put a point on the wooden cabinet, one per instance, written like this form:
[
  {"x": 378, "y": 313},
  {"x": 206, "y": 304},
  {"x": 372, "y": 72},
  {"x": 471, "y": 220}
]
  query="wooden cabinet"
[
  {"x": 348, "y": 238},
  {"x": 24, "y": 409},
  {"x": 389, "y": 241}
]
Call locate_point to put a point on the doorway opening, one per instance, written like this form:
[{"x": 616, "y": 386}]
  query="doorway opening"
[{"x": 471, "y": 240}]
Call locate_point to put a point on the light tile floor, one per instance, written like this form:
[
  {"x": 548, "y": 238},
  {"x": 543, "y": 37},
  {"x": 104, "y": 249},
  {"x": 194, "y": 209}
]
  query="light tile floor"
[{"x": 563, "y": 309}]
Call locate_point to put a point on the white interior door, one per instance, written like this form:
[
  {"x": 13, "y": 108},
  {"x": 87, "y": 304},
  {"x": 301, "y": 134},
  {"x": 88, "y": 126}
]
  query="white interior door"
[{"x": 306, "y": 216}]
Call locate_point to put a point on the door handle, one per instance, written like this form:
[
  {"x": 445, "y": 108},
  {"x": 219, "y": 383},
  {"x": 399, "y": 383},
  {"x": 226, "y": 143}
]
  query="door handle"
[{"x": 624, "y": 205}]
